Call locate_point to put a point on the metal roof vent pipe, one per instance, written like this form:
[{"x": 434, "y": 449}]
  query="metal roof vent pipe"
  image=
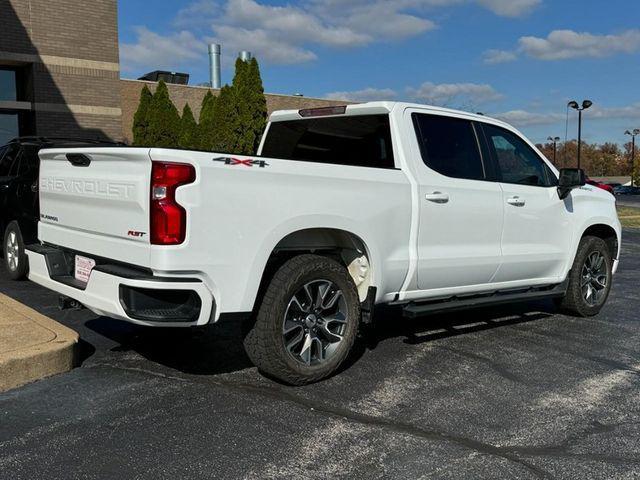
[
  {"x": 245, "y": 56},
  {"x": 214, "y": 65}
]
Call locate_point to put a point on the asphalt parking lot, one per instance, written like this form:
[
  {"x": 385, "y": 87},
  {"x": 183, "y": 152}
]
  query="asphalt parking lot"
[{"x": 515, "y": 392}]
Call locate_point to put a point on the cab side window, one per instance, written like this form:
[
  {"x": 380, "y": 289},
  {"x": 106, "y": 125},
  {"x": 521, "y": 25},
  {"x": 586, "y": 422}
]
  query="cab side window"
[
  {"x": 517, "y": 162},
  {"x": 449, "y": 146}
]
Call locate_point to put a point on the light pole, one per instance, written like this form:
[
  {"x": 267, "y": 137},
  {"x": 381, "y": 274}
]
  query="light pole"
[
  {"x": 555, "y": 141},
  {"x": 633, "y": 133},
  {"x": 585, "y": 104}
]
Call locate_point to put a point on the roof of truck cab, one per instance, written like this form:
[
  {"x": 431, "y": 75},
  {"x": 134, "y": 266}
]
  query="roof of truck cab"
[{"x": 372, "y": 108}]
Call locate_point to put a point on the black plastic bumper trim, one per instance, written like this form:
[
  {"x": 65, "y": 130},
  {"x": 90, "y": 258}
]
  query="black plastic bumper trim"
[{"x": 159, "y": 305}]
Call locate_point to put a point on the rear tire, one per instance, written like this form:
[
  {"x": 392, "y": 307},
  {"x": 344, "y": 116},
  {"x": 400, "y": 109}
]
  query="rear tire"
[
  {"x": 307, "y": 322},
  {"x": 589, "y": 279},
  {"x": 15, "y": 258}
]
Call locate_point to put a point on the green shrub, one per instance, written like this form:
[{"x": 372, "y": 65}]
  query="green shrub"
[
  {"x": 164, "y": 120},
  {"x": 188, "y": 130},
  {"x": 141, "y": 118}
]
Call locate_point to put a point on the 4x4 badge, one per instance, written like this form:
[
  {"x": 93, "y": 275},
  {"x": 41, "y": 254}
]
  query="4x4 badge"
[{"x": 237, "y": 161}]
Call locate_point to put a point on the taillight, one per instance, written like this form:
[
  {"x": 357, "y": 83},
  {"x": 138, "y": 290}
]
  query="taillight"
[{"x": 168, "y": 218}]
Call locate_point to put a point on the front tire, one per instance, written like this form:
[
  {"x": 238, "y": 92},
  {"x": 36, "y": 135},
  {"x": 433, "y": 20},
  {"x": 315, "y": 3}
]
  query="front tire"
[
  {"x": 15, "y": 257},
  {"x": 307, "y": 322},
  {"x": 589, "y": 279}
]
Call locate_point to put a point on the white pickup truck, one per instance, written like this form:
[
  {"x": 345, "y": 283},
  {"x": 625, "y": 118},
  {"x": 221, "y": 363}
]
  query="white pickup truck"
[{"x": 343, "y": 208}]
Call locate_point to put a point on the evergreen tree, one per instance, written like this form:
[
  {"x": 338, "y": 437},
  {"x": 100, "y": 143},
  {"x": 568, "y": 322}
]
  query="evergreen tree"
[
  {"x": 239, "y": 108},
  {"x": 205, "y": 125},
  {"x": 141, "y": 118},
  {"x": 188, "y": 130},
  {"x": 164, "y": 119},
  {"x": 258, "y": 104},
  {"x": 234, "y": 121},
  {"x": 224, "y": 136}
]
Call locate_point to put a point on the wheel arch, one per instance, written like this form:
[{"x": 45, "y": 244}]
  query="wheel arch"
[
  {"x": 601, "y": 227},
  {"x": 343, "y": 245},
  {"x": 606, "y": 233}
]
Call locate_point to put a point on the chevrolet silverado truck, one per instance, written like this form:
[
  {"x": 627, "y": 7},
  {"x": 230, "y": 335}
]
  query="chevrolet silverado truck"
[{"x": 342, "y": 209}]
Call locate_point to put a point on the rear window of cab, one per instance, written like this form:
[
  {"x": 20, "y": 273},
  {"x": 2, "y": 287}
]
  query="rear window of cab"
[{"x": 355, "y": 140}]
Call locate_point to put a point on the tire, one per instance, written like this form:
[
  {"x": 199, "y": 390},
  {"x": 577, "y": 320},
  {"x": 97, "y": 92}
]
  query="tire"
[
  {"x": 15, "y": 258},
  {"x": 584, "y": 274},
  {"x": 291, "y": 334}
]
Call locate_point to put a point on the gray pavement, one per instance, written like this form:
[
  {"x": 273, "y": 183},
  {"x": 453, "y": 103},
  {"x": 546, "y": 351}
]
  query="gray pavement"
[{"x": 515, "y": 392}]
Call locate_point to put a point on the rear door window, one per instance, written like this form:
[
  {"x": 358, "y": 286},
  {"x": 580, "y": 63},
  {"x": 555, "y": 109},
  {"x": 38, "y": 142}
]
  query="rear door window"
[
  {"x": 362, "y": 141},
  {"x": 449, "y": 146}
]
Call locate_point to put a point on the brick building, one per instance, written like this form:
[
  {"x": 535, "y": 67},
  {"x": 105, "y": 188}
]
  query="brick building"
[
  {"x": 59, "y": 68},
  {"x": 60, "y": 73}
]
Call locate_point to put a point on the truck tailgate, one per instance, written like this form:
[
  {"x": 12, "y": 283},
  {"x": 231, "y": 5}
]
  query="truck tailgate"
[{"x": 96, "y": 199}]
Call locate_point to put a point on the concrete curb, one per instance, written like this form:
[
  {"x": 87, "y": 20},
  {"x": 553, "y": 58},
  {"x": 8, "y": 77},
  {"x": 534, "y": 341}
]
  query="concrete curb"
[{"x": 32, "y": 346}]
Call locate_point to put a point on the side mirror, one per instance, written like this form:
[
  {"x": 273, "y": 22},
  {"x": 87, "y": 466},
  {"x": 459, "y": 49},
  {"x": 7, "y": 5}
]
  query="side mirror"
[{"x": 569, "y": 179}]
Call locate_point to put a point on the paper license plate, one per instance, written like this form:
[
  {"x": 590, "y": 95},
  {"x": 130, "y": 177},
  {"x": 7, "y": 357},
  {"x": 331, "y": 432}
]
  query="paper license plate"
[{"x": 84, "y": 266}]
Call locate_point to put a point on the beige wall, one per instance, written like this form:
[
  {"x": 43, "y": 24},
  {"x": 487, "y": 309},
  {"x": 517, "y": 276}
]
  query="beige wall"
[{"x": 181, "y": 94}]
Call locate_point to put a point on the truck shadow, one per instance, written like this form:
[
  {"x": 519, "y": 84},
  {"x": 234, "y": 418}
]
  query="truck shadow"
[
  {"x": 209, "y": 350},
  {"x": 218, "y": 349}
]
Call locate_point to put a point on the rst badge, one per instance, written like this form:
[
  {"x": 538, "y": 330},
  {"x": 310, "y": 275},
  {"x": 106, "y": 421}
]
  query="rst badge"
[{"x": 248, "y": 162}]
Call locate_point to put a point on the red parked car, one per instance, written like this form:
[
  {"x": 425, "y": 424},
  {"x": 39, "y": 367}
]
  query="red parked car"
[{"x": 603, "y": 186}]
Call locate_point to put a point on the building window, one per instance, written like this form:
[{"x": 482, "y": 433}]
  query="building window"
[
  {"x": 8, "y": 90},
  {"x": 16, "y": 118}
]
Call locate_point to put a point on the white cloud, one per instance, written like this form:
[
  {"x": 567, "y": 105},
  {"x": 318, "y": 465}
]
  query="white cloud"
[
  {"x": 197, "y": 14},
  {"x": 161, "y": 52},
  {"x": 564, "y": 44},
  {"x": 394, "y": 26},
  {"x": 631, "y": 111},
  {"x": 364, "y": 95},
  {"x": 447, "y": 93},
  {"x": 389, "y": 17},
  {"x": 523, "y": 118},
  {"x": 262, "y": 43},
  {"x": 291, "y": 24},
  {"x": 493, "y": 57},
  {"x": 456, "y": 95},
  {"x": 510, "y": 8}
]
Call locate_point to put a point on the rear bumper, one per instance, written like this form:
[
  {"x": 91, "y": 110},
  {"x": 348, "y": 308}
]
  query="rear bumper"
[{"x": 143, "y": 300}]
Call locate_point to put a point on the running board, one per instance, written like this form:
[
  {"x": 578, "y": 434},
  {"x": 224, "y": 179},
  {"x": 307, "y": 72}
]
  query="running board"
[{"x": 418, "y": 309}]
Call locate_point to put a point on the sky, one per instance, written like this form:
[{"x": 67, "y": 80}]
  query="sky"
[{"x": 518, "y": 60}]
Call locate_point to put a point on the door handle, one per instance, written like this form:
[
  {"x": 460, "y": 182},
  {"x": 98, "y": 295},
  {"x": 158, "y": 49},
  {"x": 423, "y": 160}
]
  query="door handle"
[
  {"x": 437, "y": 197},
  {"x": 516, "y": 201}
]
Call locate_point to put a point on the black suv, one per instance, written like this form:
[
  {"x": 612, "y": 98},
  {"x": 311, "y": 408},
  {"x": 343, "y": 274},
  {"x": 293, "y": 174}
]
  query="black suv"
[{"x": 19, "y": 209}]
